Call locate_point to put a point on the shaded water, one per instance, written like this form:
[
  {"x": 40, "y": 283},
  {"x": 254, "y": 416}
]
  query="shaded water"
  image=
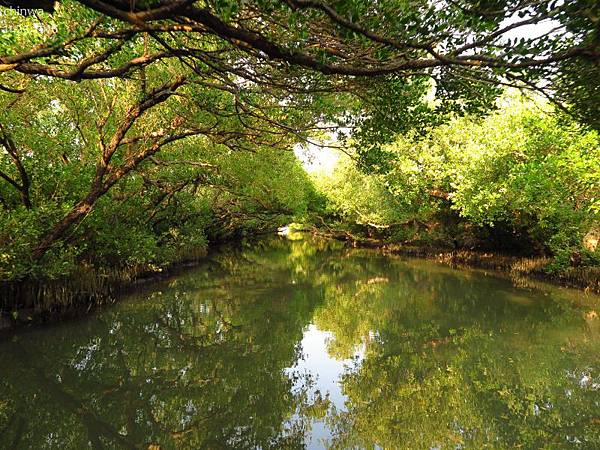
[{"x": 308, "y": 345}]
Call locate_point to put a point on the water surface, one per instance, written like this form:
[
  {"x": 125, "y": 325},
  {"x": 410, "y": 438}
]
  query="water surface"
[{"x": 306, "y": 344}]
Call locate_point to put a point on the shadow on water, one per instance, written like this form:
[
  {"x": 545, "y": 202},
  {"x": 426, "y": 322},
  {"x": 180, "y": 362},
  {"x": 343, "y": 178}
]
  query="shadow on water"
[{"x": 306, "y": 344}]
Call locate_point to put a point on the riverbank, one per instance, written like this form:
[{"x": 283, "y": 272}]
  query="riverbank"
[
  {"x": 517, "y": 268},
  {"x": 40, "y": 301},
  {"x": 37, "y": 301}
]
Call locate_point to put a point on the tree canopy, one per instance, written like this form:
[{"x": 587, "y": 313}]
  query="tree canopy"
[
  {"x": 523, "y": 179},
  {"x": 101, "y": 96},
  {"x": 466, "y": 47}
]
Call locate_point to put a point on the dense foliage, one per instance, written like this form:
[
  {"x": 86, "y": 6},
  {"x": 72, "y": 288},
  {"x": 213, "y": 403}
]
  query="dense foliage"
[
  {"x": 527, "y": 178},
  {"x": 156, "y": 212}
]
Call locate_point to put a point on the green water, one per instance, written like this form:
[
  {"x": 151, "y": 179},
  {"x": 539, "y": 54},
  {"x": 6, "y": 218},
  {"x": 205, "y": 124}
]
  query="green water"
[{"x": 305, "y": 344}]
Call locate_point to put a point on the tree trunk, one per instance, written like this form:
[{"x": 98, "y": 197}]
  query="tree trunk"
[
  {"x": 57, "y": 232},
  {"x": 11, "y": 149}
]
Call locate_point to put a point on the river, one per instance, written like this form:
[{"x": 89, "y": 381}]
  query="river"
[{"x": 307, "y": 344}]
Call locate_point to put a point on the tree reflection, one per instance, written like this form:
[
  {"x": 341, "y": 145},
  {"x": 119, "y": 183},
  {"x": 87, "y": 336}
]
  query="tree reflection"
[
  {"x": 197, "y": 364},
  {"x": 452, "y": 359}
]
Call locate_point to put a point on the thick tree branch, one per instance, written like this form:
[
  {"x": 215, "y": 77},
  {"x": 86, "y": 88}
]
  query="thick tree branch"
[{"x": 11, "y": 149}]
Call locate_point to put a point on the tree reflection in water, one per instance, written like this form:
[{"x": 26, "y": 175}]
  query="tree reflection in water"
[{"x": 213, "y": 358}]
